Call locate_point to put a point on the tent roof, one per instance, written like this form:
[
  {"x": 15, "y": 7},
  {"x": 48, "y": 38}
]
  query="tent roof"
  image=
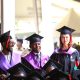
[{"x": 72, "y": 20}]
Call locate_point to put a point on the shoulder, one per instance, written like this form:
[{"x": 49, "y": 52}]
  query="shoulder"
[
  {"x": 25, "y": 52},
  {"x": 56, "y": 50},
  {"x": 71, "y": 49},
  {"x": 28, "y": 56},
  {"x": 46, "y": 57}
]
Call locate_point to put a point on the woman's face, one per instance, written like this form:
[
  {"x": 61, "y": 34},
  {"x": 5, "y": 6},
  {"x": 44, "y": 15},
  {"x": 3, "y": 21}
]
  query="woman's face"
[{"x": 65, "y": 39}]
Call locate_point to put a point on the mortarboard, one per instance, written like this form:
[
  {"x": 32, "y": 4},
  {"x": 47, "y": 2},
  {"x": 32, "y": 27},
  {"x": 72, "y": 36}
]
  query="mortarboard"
[
  {"x": 59, "y": 65},
  {"x": 26, "y": 63},
  {"x": 57, "y": 74},
  {"x": 59, "y": 56},
  {"x": 62, "y": 58},
  {"x": 20, "y": 40},
  {"x": 4, "y": 36},
  {"x": 48, "y": 65},
  {"x": 36, "y": 76},
  {"x": 65, "y": 30},
  {"x": 51, "y": 65},
  {"x": 19, "y": 71},
  {"x": 34, "y": 38}
]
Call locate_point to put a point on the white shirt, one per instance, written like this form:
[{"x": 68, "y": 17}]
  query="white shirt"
[{"x": 8, "y": 57}]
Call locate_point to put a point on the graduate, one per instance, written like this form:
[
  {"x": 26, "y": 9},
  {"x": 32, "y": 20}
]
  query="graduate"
[
  {"x": 7, "y": 57},
  {"x": 69, "y": 56},
  {"x": 35, "y": 57}
]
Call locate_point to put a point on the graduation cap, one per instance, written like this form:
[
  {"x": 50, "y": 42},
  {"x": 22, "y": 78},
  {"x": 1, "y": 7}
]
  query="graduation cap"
[
  {"x": 62, "y": 58},
  {"x": 34, "y": 38},
  {"x": 26, "y": 63},
  {"x": 59, "y": 56},
  {"x": 65, "y": 30},
  {"x": 57, "y": 75},
  {"x": 36, "y": 76},
  {"x": 19, "y": 71},
  {"x": 4, "y": 36},
  {"x": 59, "y": 65},
  {"x": 51, "y": 65},
  {"x": 20, "y": 40}
]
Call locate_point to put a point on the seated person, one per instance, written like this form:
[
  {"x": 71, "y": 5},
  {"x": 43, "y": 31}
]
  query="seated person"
[
  {"x": 35, "y": 57},
  {"x": 7, "y": 57}
]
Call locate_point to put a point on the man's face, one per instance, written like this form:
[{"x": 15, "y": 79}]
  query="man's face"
[
  {"x": 10, "y": 44},
  {"x": 36, "y": 47}
]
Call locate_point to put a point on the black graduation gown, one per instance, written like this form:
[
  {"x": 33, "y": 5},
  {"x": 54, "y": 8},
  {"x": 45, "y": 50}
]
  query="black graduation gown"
[{"x": 67, "y": 60}]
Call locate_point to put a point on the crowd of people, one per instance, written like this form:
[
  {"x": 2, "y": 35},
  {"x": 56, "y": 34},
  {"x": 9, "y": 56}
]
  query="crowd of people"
[{"x": 21, "y": 64}]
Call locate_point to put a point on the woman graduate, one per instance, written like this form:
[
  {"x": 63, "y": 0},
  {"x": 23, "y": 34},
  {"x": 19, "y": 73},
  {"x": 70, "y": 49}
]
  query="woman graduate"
[{"x": 72, "y": 55}]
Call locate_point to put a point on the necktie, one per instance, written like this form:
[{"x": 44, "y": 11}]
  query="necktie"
[
  {"x": 37, "y": 57},
  {"x": 38, "y": 60}
]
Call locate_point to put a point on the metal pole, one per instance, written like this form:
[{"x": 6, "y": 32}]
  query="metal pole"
[
  {"x": 2, "y": 16},
  {"x": 36, "y": 16}
]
